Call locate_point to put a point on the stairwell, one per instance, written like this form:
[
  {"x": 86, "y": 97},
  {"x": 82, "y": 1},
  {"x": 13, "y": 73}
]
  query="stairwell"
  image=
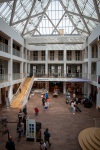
[
  {"x": 16, "y": 103},
  {"x": 89, "y": 139}
]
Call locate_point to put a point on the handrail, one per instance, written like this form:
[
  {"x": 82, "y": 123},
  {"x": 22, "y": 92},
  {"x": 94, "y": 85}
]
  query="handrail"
[
  {"x": 27, "y": 92},
  {"x": 18, "y": 90}
]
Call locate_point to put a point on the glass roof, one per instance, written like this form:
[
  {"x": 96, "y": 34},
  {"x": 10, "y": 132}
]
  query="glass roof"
[{"x": 51, "y": 17}]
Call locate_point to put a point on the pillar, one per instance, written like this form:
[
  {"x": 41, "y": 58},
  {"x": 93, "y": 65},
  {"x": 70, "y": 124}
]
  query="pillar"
[
  {"x": 46, "y": 64},
  {"x": 64, "y": 87}
]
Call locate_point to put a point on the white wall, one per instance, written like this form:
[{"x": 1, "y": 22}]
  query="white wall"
[{"x": 5, "y": 28}]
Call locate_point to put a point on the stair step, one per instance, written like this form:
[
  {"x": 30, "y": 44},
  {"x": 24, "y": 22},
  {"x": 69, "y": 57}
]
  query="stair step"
[
  {"x": 92, "y": 136},
  {"x": 87, "y": 139},
  {"x": 16, "y": 103},
  {"x": 97, "y": 134}
]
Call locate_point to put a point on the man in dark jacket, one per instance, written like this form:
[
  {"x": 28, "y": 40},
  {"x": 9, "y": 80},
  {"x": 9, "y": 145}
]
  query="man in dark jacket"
[
  {"x": 10, "y": 145},
  {"x": 47, "y": 136}
]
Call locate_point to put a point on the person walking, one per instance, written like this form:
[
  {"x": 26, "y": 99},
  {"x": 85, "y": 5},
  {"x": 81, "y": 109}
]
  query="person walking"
[
  {"x": 4, "y": 122},
  {"x": 10, "y": 145},
  {"x": 48, "y": 101},
  {"x": 19, "y": 130},
  {"x": 47, "y": 136},
  {"x": 24, "y": 122},
  {"x": 25, "y": 110},
  {"x": 43, "y": 145},
  {"x": 20, "y": 115}
]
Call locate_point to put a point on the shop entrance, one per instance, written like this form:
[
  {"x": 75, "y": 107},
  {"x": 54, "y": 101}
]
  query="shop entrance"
[
  {"x": 74, "y": 87},
  {"x": 55, "y": 85}
]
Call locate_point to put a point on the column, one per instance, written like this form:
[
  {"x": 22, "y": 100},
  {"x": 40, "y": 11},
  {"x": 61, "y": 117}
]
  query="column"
[
  {"x": 98, "y": 85},
  {"x": 28, "y": 69},
  {"x": 89, "y": 61},
  {"x": 21, "y": 70},
  {"x": 10, "y": 70},
  {"x": 10, "y": 62},
  {"x": 0, "y": 96},
  {"x": 22, "y": 51},
  {"x": 98, "y": 48},
  {"x": 10, "y": 92},
  {"x": 64, "y": 87},
  {"x": 85, "y": 90},
  {"x": 65, "y": 61},
  {"x": 46, "y": 64}
]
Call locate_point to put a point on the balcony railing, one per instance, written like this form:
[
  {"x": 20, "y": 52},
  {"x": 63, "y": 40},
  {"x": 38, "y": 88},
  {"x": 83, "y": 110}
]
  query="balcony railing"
[
  {"x": 4, "y": 47},
  {"x": 17, "y": 52},
  {"x": 17, "y": 76},
  {"x": 4, "y": 77}
]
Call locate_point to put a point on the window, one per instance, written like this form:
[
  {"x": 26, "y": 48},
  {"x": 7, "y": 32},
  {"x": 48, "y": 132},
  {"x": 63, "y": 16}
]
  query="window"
[
  {"x": 95, "y": 51},
  {"x": 60, "y": 55},
  {"x": 35, "y": 55},
  {"x": 51, "y": 55},
  {"x": 69, "y": 55},
  {"x": 43, "y": 55},
  {"x": 77, "y": 55}
]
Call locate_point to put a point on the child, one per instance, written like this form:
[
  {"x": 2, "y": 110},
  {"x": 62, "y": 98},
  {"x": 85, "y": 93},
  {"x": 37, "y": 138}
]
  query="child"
[{"x": 36, "y": 110}]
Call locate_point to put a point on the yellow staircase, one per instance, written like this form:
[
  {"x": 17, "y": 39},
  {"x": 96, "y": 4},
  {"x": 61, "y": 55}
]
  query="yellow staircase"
[
  {"x": 16, "y": 103},
  {"x": 89, "y": 139}
]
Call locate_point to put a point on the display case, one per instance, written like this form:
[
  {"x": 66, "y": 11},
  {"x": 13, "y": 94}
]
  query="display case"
[{"x": 30, "y": 129}]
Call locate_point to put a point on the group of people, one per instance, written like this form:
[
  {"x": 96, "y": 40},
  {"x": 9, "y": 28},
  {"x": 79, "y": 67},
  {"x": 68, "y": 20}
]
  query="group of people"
[
  {"x": 43, "y": 143},
  {"x": 21, "y": 126},
  {"x": 74, "y": 104},
  {"x": 45, "y": 101}
]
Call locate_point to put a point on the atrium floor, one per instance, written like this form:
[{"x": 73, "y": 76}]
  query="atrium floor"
[{"x": 63, "y": 125}]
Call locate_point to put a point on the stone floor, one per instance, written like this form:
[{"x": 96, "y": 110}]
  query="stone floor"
[{"x": 63, "y": 125}]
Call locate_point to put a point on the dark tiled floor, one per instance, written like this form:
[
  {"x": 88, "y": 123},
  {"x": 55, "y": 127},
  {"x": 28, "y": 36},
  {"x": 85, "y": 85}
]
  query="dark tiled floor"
[{"x": 63, "y": 125}]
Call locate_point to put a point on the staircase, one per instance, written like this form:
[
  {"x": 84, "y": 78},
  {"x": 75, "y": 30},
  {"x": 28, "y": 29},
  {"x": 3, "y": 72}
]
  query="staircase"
[
  {"x": 16, "y": 103},
  {"x": 89, "y": 139}
]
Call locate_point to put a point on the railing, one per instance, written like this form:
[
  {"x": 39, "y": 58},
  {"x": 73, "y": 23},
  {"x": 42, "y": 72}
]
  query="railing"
[
  {"x": 94, "y": 77},
  {"x": 24, "y": 98},
  {"x": 18, "y": 90},
  {"x": 5, "y": 77},
  {"x": 4, "y": 47},
  {"x": 61, "y": 74},
  {"x": 17, "y": 52},
  {"x": 17, "y": 76}
]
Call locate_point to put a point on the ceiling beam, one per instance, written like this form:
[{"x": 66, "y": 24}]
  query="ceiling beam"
[
  {"x": 26, "y": 19},
  {"x": 96, "y": 8},
  {"x": 39, "y": 20},
  {"x": 80, "y": 14},
  {"x": 69, "y": 17},
  {"x": 2, "y": 1},
  {"x": 13, "y": 11},
  {"x": 42, "y": 16},
  {"x": 52, "y": 23},
  {"x": 90, "y": 18},
  {"x": 58, "y": 23},
  {"x": 29, "y": 16}
]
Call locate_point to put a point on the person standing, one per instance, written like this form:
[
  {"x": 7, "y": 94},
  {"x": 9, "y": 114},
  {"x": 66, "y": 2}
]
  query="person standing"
[
  {"x": 47, "y": 136},
  {"x": 10, "y": 145},
  {"x": 25, "y": 110},
  {"x": 24, "y": 122},
  {"x": 4, "y": 122},
  {"x": 36, "y": 111},
  {"x": 20, "y": 115},
  {"x": 43, "y": 100}
]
